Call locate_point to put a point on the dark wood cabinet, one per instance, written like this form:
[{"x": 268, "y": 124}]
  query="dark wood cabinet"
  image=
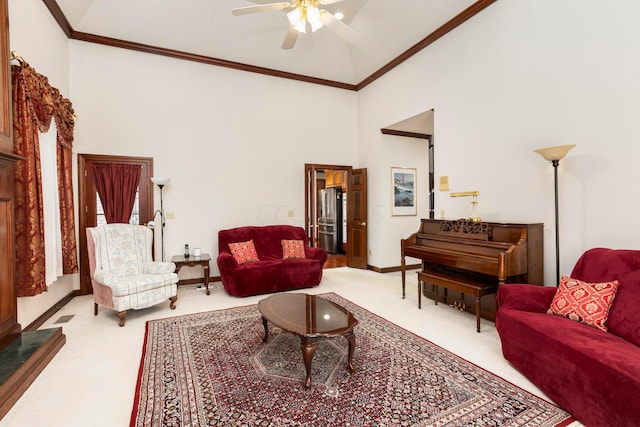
[{"x": 8, "y": 304}]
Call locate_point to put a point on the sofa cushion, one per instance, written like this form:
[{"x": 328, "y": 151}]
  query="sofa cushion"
[
  {"x": 244, "y": 252},
  {"x": 592, "y": 374},
  {"x": 292, "y": 249},
  {"x": 584, "y": 302},
  {"x": 276, "y": 275}
]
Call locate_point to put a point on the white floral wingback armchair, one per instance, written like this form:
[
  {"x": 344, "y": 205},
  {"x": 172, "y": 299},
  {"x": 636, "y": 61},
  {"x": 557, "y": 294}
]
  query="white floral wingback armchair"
[{"x": 123, "y": 273}]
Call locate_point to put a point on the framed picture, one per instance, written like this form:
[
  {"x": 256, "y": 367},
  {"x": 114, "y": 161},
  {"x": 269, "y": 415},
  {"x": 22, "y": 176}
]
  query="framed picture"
[{"x": 403, "y": 191}]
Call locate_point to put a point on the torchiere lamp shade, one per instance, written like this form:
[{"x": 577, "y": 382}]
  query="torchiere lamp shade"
[
  {"x": 160, "y": 180},
  {"x": 555, "y": 153}
]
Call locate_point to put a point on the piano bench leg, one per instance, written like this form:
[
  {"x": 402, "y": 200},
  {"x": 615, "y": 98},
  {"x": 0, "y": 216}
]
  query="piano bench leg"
[
  {"x": 478, "y": 313},
  {"x": 419, "y": 293},
  {"x": 434, "y": 289}
]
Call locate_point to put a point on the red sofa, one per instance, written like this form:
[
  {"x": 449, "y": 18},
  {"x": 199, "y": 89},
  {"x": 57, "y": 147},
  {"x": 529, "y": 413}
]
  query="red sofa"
[
  {"x": 272, "y": 273},
  {"x": 594, "y": 375}
]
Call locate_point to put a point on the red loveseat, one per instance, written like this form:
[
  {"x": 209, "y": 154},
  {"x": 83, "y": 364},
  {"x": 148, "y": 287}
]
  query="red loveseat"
[
  {"x": 271, "y": 273},
  {"x": 594, "y": 375}
]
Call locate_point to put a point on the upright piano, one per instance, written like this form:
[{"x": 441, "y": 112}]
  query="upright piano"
[{"x": 480, "y": 254}]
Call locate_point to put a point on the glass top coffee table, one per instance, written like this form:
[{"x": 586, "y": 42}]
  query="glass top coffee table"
[{"x": 311, "y": 318}]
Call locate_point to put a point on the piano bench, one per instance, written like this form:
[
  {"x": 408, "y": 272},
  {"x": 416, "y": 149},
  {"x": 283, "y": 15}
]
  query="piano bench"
[{"x": 464, "y": 284}]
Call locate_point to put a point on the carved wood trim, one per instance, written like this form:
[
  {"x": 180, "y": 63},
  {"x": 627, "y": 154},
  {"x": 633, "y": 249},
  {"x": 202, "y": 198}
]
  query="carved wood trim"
[{"x": 466, "y": 229}]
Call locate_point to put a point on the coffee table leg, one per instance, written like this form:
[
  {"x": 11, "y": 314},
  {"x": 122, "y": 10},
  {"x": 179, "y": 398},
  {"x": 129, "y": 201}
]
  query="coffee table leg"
[
  {"x": 266, "y": 330},
  {"x": 309, "y": 347},
  {"x": 351, "y": 338}
]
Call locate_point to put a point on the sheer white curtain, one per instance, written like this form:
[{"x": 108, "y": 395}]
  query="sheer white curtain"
[{"x": 50, "y": 199}]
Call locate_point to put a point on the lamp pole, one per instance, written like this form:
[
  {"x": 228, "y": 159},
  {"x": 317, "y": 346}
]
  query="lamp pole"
[
  {"x": 555, "y": 164},
  {"x": 161, "y": 182},
  {"x": 554, "y": 155},
  {"x": 162, "y": 221}
]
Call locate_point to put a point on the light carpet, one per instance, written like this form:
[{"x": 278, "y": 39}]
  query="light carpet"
[{"x": 212, "y": 369}]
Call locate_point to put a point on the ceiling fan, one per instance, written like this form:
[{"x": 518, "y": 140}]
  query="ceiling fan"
[{"x": 300, "y": 13}]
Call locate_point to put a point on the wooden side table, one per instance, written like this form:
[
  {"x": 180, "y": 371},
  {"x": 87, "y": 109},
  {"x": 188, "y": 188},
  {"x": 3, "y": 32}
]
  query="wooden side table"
[{"x": 203, "y": 260}]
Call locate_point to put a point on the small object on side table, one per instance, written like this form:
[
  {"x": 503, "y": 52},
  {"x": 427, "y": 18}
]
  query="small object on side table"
[{"x": 203, "y": 260}]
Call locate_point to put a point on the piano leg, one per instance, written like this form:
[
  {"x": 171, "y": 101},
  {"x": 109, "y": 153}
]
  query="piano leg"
[
  {"x": 478, "y": 313},
  {"x": 419, "y": 293},
  {"x": 403, "y": 267}
]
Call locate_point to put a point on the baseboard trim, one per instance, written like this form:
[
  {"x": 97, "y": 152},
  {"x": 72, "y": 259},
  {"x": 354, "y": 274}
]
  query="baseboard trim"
[
  {"x": 198, "y": 280},
  {"x": 50, "y": 312}
]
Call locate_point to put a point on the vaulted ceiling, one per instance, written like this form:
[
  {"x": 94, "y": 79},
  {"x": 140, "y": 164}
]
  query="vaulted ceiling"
[{"x": 389, "y": 32}]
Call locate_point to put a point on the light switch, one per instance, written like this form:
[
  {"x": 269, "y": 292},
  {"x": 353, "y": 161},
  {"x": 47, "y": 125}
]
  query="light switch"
[{"x": 444, "y": 183}]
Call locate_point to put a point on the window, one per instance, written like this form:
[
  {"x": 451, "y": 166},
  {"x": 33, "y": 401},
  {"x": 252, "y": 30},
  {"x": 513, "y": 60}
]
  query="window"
[{"x": 135, "y": 214}]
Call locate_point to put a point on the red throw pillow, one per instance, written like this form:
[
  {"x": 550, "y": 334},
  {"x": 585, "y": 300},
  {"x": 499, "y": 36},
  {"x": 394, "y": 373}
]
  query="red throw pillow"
[
  {"x": 584, "y": 302},
  {"x": 293, "y": 249},
  {"x": 244, "y": 252}
]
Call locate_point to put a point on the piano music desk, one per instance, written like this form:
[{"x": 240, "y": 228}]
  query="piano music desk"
[{"x": 462, "y": 284}]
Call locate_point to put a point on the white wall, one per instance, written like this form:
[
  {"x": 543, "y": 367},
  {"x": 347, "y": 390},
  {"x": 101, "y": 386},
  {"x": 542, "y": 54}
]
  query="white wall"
[
  {"x": 233, "y": 143},
  {"x": 523, "y": 75},
  {"x": 35, "y": 35},
  {"x": 519, "y": 76}
]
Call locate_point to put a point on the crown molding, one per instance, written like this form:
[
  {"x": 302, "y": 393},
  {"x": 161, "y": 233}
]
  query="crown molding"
[{"x": 450, "y": 25}]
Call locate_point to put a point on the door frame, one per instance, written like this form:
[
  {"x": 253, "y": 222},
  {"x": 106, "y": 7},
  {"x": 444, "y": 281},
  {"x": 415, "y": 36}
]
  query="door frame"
[
  {"x": 87, "y": 204},
  {"x": 311, "y": 207},
  {"x": 311, "y": 197}
]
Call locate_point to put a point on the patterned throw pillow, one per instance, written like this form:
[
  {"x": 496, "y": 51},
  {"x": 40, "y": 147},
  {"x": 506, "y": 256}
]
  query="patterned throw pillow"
[
  {"x": 293, "y": 249},
  {"x": 244, "y": 252},
  {"x": 584, "y": 302}
]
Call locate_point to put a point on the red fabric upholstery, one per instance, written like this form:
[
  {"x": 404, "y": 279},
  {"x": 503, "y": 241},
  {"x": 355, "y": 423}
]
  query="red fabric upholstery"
[
  {"x": 272, "y": 273},
  {"x": 592, "y": 374}
]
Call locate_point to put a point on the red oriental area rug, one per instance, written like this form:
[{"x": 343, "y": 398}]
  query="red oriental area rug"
[{"x": 212, "y": 369}]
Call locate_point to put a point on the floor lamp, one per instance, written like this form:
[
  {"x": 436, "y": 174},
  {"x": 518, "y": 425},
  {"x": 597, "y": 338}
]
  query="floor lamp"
[
  {"x": 160, "y": 182},
  {"x": 554, "y": 155}
]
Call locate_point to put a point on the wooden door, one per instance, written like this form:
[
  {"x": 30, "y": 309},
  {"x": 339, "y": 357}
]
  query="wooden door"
[
  {"x": 87, "y": 205},
  {"x": 357, "y": 246}
]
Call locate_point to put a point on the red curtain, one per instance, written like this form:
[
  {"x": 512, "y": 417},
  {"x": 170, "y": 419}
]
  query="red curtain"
[
  {"x": 65, "y": 123},
  {"x": 34, "y": 104},
  {"x": 29, "y": 116},
  {"x": 117, "y": 185}
]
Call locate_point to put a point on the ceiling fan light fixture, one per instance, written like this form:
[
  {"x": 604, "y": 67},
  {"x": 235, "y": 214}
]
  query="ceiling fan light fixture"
[
  {"x": 297, "y": 17},
  {"x": 313, "y": 16}
]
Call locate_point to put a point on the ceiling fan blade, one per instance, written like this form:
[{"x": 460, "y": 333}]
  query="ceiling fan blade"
[
  {"x": 337, "y": 26},
  {"x": 260, "y": 8},
  {"x": 290, "y": 38}
]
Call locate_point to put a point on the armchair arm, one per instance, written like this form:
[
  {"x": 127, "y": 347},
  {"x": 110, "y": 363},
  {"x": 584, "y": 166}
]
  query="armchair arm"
[
  {"x": 105, "y": 278},
  {"x": 158, "y": 267},
  {"x": 315, "y": 253},
  {"x": 525, "y": 297},
  {"x": 226, "y": 262}
]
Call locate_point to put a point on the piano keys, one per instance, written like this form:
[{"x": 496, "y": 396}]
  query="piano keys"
[{"x": 482, "y": 255}]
